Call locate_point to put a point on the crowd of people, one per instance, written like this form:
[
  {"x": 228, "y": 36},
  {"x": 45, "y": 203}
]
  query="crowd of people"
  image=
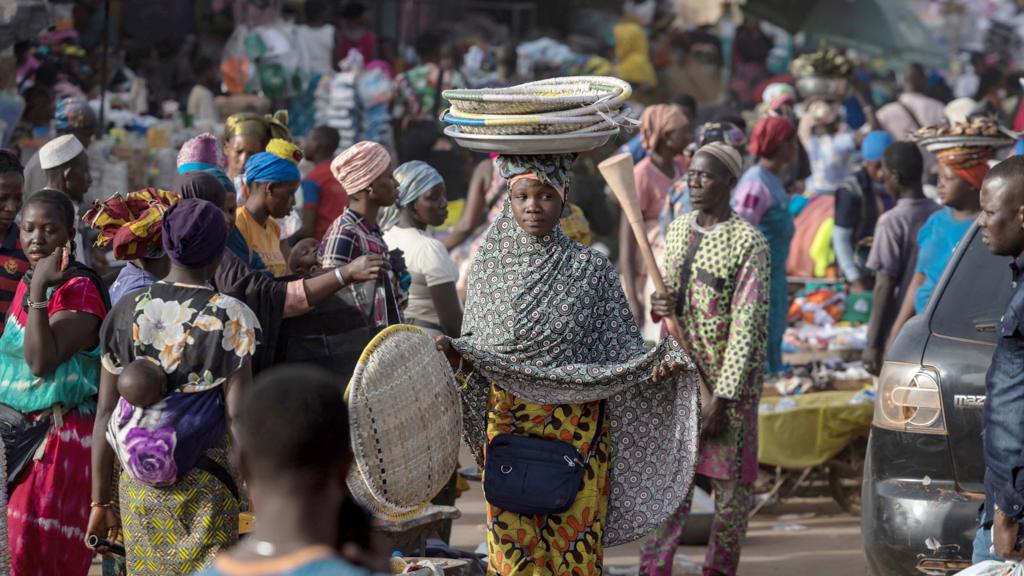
[{"x": 158, "y": 343}]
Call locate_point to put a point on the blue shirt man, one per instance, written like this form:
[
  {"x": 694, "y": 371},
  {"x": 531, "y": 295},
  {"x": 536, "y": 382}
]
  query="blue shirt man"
[{"x": 1002, "y": 226}]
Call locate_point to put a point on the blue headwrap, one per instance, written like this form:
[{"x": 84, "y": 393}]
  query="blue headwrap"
[
  {"x": 415, "y": 178},
  {"x": 73, "y": 113},
  {"x": 267, "y": 167},
  {"x": 874, "y": 145},
  {"x": 211, "y": 169}
]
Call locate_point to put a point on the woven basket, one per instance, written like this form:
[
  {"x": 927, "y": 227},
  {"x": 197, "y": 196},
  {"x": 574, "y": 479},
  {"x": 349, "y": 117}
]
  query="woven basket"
[
  {"x": 535, "y": 125},
  {"x": 568, "y": 96},
  {"x": 406, "y": 421},
  {"x": 531, "y": 143}
]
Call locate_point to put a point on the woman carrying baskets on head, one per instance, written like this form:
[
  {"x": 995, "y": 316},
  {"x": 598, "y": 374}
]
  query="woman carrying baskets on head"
[{"x": 552, "y": 358}]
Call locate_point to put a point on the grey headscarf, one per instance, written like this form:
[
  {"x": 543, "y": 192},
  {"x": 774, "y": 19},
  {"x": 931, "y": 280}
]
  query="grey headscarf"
[
  {"x": 415, "y": 178},
  {"x": 546, "y": 320}
]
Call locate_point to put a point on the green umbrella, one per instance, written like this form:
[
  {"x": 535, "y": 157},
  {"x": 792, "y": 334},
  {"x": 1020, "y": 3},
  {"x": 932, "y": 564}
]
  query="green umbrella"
[{"x": 878, "y": 27}]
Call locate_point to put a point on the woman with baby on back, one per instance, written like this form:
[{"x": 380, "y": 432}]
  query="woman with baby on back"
[{"x": 176, "y": 358}]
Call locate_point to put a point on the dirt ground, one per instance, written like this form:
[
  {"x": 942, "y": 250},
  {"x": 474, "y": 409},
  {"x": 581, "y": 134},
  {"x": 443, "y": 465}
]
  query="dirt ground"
[{"x": 798, "y": 536}]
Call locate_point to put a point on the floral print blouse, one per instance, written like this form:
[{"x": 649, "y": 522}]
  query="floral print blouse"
[{"x": 200, "y": 338}]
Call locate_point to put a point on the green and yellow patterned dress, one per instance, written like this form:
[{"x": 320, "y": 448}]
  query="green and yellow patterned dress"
[
  {"x": 200, "y": 338},
  {"x": 722, "y": 277}
]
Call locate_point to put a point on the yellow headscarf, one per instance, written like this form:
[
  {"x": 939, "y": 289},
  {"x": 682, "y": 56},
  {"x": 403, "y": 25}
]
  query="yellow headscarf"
[
  {"x": 632, "y": 54},
  {"x": 284, "y": 149},
  {"x": 262, "y": 126}
]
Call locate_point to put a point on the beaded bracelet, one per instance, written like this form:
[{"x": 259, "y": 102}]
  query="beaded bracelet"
[{"x": 100, "y": 504}]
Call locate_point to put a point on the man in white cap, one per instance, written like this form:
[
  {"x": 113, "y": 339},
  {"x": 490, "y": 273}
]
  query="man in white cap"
[
  {"x": 66, "y": 166},
  {"x": 73, "y": 116}
]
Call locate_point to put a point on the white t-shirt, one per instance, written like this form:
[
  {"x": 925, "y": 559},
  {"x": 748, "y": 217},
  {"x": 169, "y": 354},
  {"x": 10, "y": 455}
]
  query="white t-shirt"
[
  {"x": 429, "y": 264},
  {"x": 316, "y": 48},
  {"x": 202, "y": 106}
]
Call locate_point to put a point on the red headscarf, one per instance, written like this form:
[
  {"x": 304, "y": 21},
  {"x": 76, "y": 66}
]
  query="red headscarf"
[
  {"x": 769, "y": 133},
  {"x": 969, "y": 163}
]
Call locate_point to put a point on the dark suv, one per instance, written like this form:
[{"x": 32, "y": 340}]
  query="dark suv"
[{"x": 924, "y": 470}]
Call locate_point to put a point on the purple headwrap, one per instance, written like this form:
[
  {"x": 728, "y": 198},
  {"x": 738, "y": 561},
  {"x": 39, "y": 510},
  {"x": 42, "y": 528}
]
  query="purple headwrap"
[
  {"x": 194, "y": 232},
  {"x": 202, "y": 185},
  {"x": 203, "y": 149}
]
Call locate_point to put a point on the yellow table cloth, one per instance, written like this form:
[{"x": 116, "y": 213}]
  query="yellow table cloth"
[{"x": 810, "y": 434}]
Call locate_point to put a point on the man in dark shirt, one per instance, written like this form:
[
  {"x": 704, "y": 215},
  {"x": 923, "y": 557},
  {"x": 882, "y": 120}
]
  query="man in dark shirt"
[
  {"x": 1002, "y": 226},
  {"x": 894, "y": 249},
  {"x": 857, "y": 209},
  {"x": 13, "y": 263}
]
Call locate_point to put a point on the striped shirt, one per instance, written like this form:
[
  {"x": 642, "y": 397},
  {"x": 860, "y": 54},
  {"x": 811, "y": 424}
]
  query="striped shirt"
[{"x": 13, "y": 265}]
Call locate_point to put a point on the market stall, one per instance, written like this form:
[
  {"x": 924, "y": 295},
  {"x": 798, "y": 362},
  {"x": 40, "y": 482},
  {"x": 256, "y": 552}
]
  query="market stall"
[{"x": 815, "y": 438}]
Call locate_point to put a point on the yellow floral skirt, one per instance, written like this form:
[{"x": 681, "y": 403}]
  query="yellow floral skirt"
[{"x": 566, "y": 543}]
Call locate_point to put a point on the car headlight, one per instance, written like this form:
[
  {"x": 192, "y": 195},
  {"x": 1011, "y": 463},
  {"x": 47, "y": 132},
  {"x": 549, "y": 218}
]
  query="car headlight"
[{"x": 909, "y": 399}]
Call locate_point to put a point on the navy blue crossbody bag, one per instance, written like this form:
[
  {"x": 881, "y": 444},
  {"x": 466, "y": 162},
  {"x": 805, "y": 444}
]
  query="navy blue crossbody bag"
[{"x": 533, "y": 476}]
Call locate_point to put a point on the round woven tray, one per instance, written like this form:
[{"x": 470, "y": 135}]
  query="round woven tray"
[
  {"x": 569, "y": 96},
  {"x": 534, "y": 124},
  {"x": 406, "y": 422},
  {"x": 530, "y": 143}
]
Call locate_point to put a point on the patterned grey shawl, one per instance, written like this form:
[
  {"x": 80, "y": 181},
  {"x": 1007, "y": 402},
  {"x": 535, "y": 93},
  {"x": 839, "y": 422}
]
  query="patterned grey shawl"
[{"x": 546, "y": 319}]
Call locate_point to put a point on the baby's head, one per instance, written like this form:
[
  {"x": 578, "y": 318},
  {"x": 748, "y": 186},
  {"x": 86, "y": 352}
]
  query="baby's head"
[
  {"x": 303, "y": 257},
  {"x": 142, "y": 383}
]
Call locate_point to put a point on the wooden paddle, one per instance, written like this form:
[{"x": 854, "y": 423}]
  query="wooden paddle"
[{"x": 618, "y": 172}]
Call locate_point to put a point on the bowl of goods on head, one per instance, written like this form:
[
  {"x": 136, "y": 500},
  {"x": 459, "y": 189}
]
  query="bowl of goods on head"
[
  {"x": 822, "y": 73},
  {"x": 822, "y": 87}
]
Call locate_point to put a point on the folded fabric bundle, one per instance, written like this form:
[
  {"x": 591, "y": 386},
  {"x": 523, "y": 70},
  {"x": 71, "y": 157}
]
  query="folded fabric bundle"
[{"x": 131, "y": 222}]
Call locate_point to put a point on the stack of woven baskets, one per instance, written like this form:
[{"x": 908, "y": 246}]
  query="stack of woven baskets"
[
  {"x": 572, "y": 105},
  {"x": 592, "y": 107}
]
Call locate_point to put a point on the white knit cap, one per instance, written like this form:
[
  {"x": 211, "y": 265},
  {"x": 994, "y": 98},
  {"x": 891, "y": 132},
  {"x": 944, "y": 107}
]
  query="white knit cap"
[{"x": 59, "y": 151}]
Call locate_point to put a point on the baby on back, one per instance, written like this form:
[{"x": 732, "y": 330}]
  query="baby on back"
[{"x": 142, "y": 383}]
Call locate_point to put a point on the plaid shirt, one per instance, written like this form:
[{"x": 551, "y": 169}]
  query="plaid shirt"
[{"x": 349, "y": 237}]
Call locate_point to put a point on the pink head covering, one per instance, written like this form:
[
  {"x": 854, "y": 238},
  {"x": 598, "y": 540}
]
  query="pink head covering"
[
  {"x": 203, "y": 149},
  {"x": 357, "y": 167},
  {"x": 658, "y": 119}
]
